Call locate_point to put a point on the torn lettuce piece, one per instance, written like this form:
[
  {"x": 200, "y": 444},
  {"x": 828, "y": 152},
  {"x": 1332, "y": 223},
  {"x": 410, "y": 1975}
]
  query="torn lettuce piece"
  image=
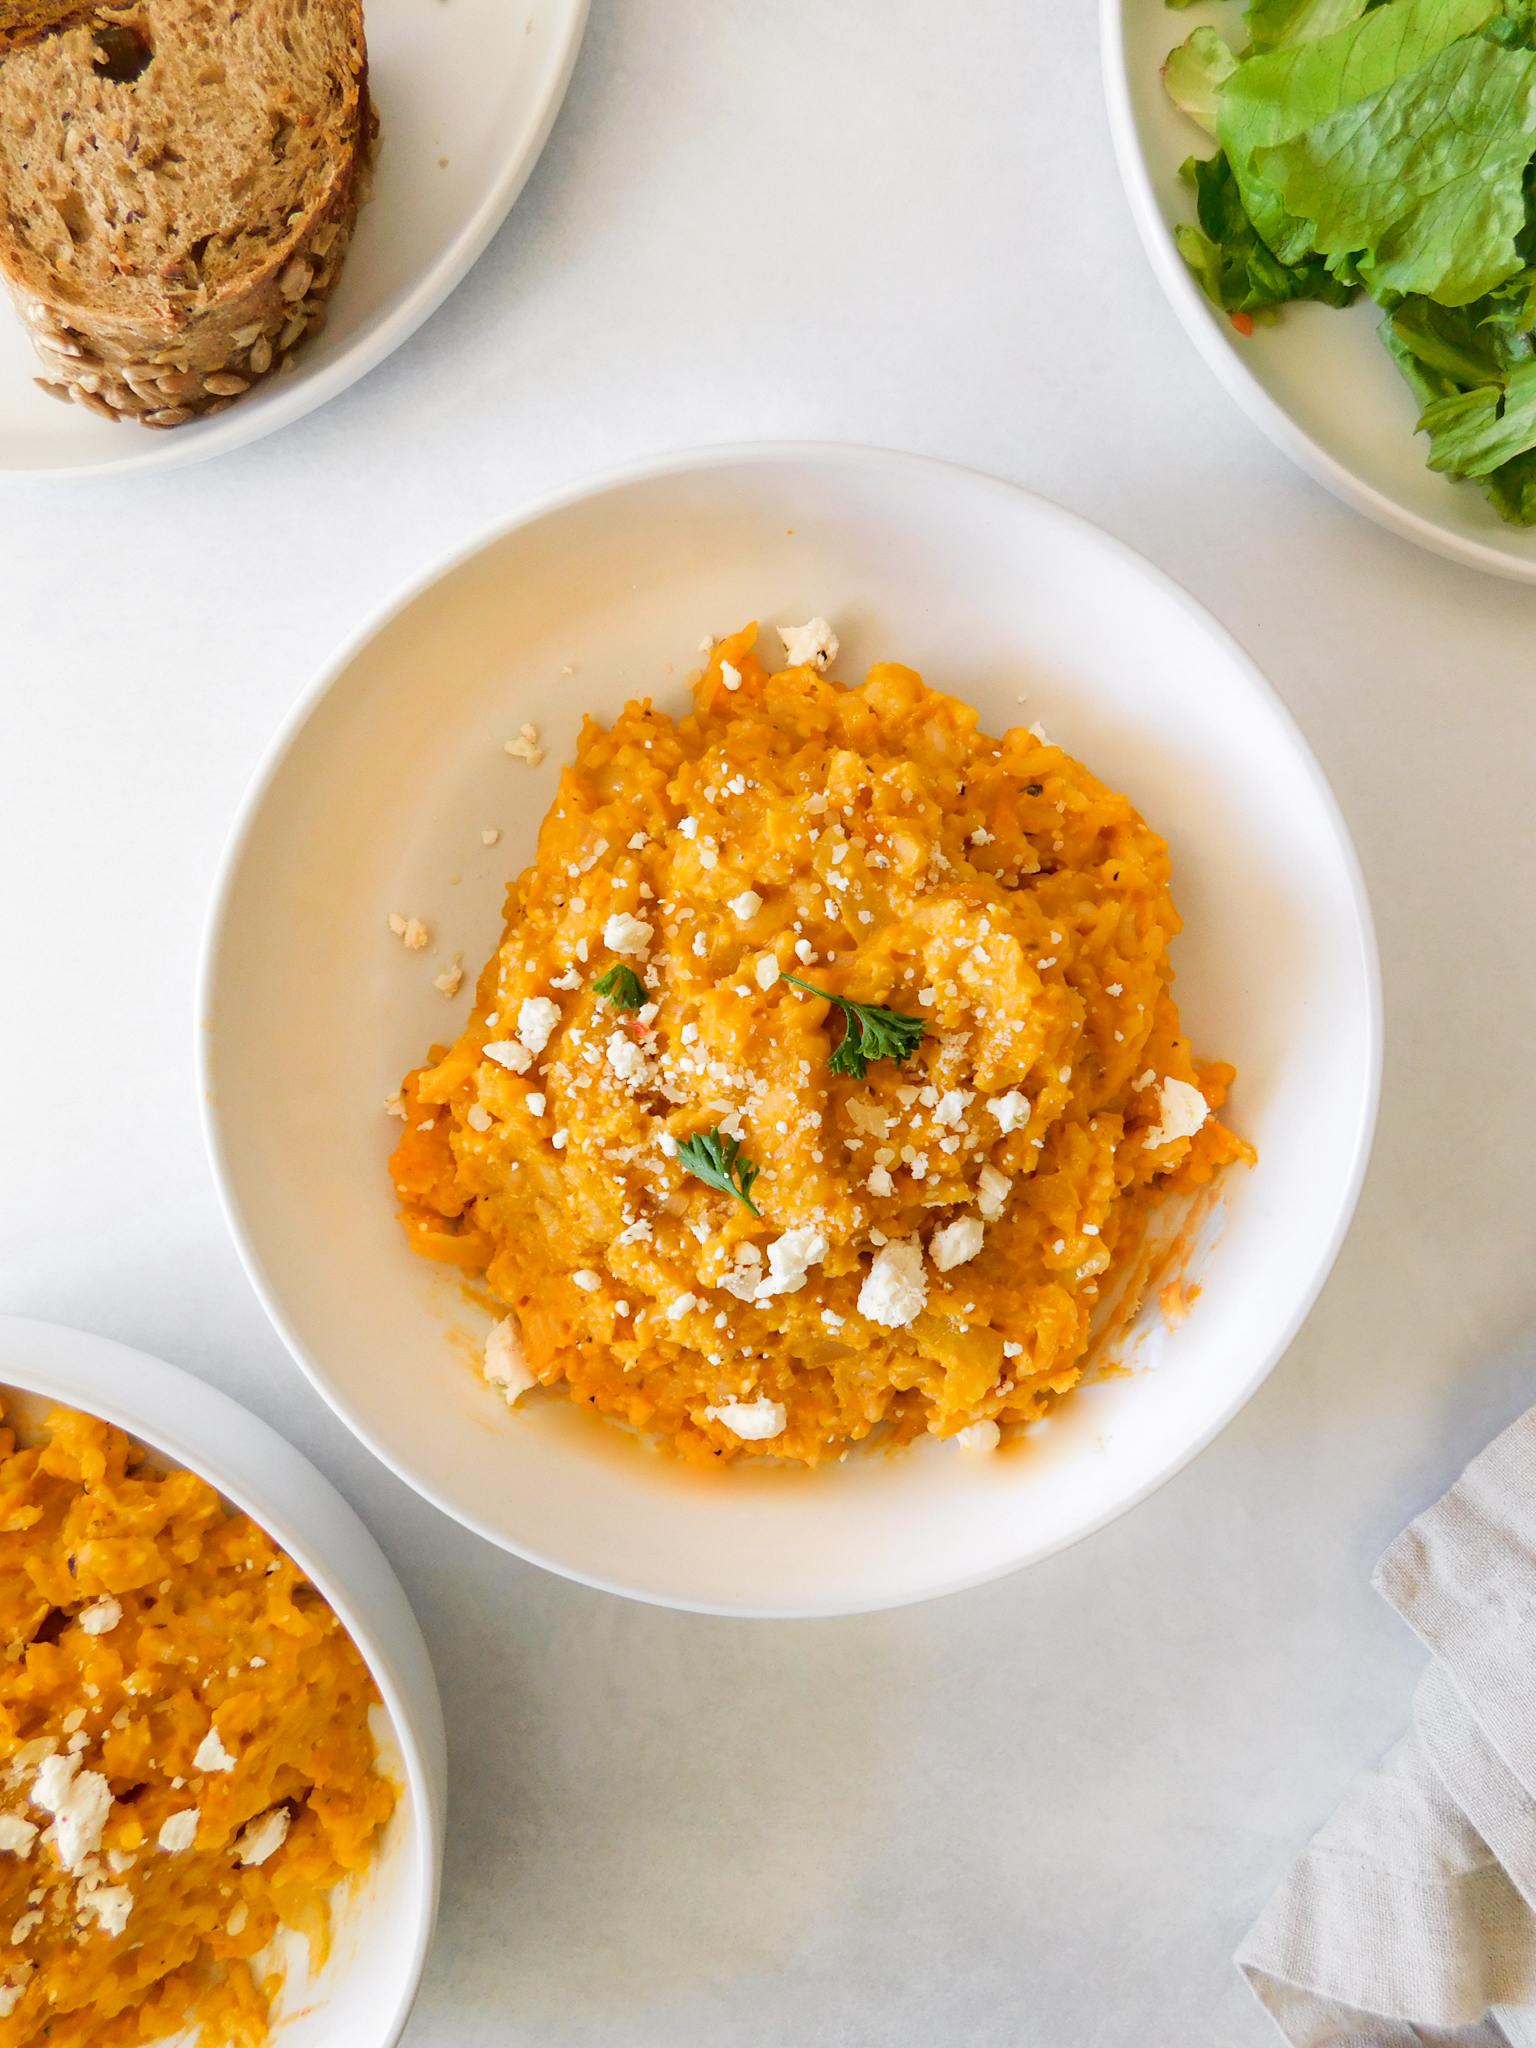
[
  {"x": 1423, "y": 184},
  {"x": 1195, "y": 73},
  {"x": 1235, "y": 269},
  {"x": 1282, "y": 24},
  {"x": 1472, "y": 370},
  {"x": 1272, "y": 100}
]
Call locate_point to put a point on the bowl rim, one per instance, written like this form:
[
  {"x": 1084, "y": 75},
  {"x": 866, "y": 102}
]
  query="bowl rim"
[
  {"x": 442, "y": 276},
  {"x": 654, "y": 468},
  {"x": 56, "y": 1361},
  {"x": 1202, "y": 324}
]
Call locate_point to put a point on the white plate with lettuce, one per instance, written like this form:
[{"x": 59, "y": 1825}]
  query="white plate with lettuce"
[{"x": 1355, "y": 252}]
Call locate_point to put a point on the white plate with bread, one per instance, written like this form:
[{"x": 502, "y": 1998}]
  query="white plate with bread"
[{"x": 214, "y": 223}]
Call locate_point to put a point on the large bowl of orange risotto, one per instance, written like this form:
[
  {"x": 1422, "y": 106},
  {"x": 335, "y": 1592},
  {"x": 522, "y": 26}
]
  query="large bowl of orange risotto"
[
  {"x": 221, "y": 1751},
  {"x": 791, "y": 1032}
]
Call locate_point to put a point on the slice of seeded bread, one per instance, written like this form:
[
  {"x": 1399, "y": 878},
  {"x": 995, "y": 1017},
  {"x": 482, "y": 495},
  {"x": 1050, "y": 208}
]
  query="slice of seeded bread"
[{"x": 178, "y": 185}]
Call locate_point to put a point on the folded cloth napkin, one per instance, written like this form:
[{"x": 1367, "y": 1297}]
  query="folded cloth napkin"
[{"x": 1411, "y": 1917}]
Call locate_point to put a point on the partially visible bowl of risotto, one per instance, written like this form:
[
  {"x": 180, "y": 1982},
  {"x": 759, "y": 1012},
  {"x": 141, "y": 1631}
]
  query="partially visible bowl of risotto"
[
  {"x": 815, "y": 1194},
  {"x": 222, "y": 1787}
]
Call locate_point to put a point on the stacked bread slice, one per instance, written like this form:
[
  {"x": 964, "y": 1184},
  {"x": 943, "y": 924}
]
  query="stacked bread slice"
[{"x": 180, "y": 180}]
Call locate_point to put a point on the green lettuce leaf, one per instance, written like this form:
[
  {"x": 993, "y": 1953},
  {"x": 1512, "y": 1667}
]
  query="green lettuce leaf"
[
  {"x": 1282, "y": 24},
  {"x": 1274, "y": 99},
  {"x": 1194, "y": 73},
  {"x": 1236, "y": 270},
  {"x": 1426, "y": 178},
  {"x": 1473, "y": 432}
]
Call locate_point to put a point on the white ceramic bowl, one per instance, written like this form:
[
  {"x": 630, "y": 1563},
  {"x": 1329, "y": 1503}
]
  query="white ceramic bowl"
[
  {"x": 1317, "y": 382},
  {"x": 374, "y": 799},
  {"x": 382, "y": 1928},
  {"x": 467, "y": 95}
]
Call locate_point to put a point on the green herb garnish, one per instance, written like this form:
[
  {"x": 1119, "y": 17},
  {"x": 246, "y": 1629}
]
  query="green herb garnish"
[
  {"x": 623, "y": 988},
  {"x": 869, "y": 1032},
  {"x": 715, "y": 1158}
]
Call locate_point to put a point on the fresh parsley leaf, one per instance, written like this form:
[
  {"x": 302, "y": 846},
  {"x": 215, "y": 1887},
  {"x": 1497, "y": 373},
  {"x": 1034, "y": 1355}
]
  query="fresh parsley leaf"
[
  {"x": 715, "y": 1159},
  {"x": 623, "y": 988},
  {"x": 869, "y": 1032},
  {"x": 1423, "y": 183}
]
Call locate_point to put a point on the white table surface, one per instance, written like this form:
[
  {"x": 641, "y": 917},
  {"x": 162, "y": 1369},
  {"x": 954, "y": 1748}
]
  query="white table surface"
[{"x": 1042, "y": 1813}]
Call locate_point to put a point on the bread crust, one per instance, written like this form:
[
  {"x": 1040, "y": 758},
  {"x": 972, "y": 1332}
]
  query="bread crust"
[{"x": 198, "y": 359}]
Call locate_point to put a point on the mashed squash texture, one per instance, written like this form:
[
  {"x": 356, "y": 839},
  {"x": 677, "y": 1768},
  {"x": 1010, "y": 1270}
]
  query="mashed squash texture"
[
  {"x": 186, "y": 1764},
  {"x": 916, "y": 1247}
]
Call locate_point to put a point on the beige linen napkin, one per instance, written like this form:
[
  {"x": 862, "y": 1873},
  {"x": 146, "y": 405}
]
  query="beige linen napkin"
[{"x": 1411, "y": 1917}]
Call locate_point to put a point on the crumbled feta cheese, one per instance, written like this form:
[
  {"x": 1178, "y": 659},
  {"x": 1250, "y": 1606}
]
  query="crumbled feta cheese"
[
  {"x": 1182, "y": 1111},
  {"x": 880, "y": 1182},
  {"x": 832, "y": 1319},
  {"x": 489, "y": 836},
  {"x": 211, "y": 1755},
  {"x": 264, "y": 1835},
  {"x": 507, "y": 1370},
  {"x": 558, "y": 1140},
  {"x": 636, "y": 1233},
  {"x": 447, "y": 983},
  {"x": 587, "y": 1280},
  {"x": 523, "y": 748},
  {"x": 1011, "y": 1110},
  {"x": 179, "y": 1831},
  {"x": 805, "y": 952},
  {"x": 688, "y": 827},
  {"x": 537, "y": 1020},
  {"x": 925, "y": 996},
  {"x": 627, "y": 1060},
  {"x": 896, "y": 1286},
  {"x": 767, "y": 970},
  {"x": 1037, "y": 731},
  {"x": 676, "y": 1310},
  {"x": 16, "y": 1834},
  {"x": 689, "y": 1033},
  {"x": 79, "y": 1801},
  {"x": 992, "y": 1192},
  {"x": 753, "y": 1421},
  {"x": 790, "y": 1258},
  {"x": 979, "y": 1436},
  {"x": 477, "y": 1118},
  {"x": 731, "y": 677},
  {"x": 101, "y": 1617},
  {"x": 1145, "y": 1080},
  {"x": 981, "y": 838},
  {"x": 111, "y": 1903},
  {"x": 951, "y": 1106},
  {"x": 812, "y": 645},
  {"x": 746, "y": 905},
  {"x": 1012, "y": 1350},
  {"x": 507, "y": 1052},
  {"x": 700, "y": 945},
  {"x": 625, "y": 934},
  {"x": 667, "y": 1144},
  {"x": 1115, "y": 989},
  {"x": 536, "y": 1105},
  {"x": 956, "y": 1243}
]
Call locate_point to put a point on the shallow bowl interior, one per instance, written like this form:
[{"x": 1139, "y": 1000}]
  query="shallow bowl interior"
[
  {"x": 375, "y": 801},
  {"x": 1318, "y": 381},
  {"x": 381, "y": 1924}
]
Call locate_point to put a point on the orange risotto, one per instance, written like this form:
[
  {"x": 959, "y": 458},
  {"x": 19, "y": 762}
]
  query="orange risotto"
[
  {"x": 185, "y": 1759},
  {"x": 824, "y": 1075}
]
